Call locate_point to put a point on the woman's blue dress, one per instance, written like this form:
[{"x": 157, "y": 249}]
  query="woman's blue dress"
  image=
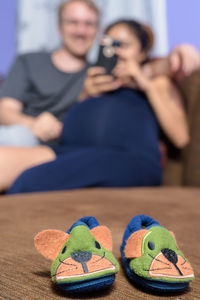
[{"x": 110, "y": 141}]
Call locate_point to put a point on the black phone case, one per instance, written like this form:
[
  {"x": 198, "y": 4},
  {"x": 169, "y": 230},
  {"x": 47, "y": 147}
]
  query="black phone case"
[{"x": 107, "y": 62}]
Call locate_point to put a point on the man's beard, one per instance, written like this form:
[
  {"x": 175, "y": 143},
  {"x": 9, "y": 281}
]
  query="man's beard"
[{"x": 76, "y": 54}]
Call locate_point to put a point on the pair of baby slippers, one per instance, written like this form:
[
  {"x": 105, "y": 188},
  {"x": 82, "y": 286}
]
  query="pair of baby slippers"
[{"x": 82, "y": 259}]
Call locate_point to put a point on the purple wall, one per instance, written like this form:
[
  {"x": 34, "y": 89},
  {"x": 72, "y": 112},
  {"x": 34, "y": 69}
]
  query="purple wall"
[
  {"x": 183, "y": 22},
  {"x": 7, "y": 33},
  {"x": 183, "y": 27}
]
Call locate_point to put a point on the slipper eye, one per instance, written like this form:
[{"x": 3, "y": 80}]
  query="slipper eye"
[
  {"x": 64, "y": 249},
  {"x": 97, "y": 245},
  {"x": 151, "y": 245}
]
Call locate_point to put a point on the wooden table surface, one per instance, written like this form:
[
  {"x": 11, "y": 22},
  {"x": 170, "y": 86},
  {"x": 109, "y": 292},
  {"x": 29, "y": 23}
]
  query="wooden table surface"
[{"x": 25, "y": 273}]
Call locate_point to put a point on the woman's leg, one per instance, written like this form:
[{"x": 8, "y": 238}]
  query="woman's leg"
[
  {"x": 14, "y": 160},
  {"x": 89, "y": 168}
]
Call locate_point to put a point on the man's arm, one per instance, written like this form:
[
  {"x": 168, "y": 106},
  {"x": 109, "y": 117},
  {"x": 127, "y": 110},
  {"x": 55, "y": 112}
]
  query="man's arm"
[
  {"x": 45, "y": 126},
  {"x": 181, "y": 62},
  {"x": 12, "y": 92},
  {"x": 11, "y": 113}
]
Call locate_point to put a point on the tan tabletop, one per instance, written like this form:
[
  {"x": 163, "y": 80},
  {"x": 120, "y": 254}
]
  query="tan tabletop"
[{"x": 25, "y": 274}]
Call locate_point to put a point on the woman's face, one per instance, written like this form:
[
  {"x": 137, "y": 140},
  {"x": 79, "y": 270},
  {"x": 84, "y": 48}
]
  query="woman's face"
[{"x": 130, "y": 45}]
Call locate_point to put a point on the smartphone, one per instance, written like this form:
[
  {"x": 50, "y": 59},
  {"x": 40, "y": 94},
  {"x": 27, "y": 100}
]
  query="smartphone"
[{"x": 107, "y": 58}]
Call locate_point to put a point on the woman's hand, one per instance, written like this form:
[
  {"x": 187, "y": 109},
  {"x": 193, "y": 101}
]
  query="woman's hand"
[
  {"x": 97, "y": 82},
  {"x": 130, "y": 73}
]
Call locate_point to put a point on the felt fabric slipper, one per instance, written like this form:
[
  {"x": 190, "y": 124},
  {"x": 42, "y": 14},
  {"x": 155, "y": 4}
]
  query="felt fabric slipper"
[
  {"x": 82, "y": 257},
  {"x": 151, "y": 258}
]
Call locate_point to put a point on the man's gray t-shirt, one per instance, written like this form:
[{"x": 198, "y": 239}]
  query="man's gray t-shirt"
[{"x": 40, "y": 86}]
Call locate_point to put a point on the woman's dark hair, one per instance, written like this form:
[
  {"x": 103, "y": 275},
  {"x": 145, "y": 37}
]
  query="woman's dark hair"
[{"x": 142, "y": 31}]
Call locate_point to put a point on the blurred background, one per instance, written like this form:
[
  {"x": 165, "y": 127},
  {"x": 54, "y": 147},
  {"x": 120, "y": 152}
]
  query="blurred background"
[{"x": 31, "y": 25}]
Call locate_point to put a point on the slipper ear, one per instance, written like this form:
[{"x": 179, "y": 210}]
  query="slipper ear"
[
  {"x": 133, "y": 246},
  {"x": 103, "y": 235},
  {"x": 49, "y": 242}
]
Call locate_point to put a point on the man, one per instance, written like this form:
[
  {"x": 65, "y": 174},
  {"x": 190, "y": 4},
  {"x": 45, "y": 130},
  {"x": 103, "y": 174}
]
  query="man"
[{"x": 42, "y": 86}]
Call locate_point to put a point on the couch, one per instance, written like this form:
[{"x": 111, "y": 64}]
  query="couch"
[
  {"x": 26, "y": 275},
  {"x": 183, "y": 167}
]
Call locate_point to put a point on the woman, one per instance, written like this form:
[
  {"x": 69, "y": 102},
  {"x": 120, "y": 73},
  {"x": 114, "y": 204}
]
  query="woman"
[{"x": 113, "y": 139}]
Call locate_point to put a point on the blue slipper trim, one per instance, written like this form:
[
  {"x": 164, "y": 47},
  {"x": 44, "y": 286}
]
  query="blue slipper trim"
[
  {"x": 90, "y": 222},
  {"x": 135, "y": 224},
  {"x": 90, "y": 285}
]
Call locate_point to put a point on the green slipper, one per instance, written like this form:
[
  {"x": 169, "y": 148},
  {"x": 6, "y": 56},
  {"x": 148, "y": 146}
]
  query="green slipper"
[
  {"x": 82, "y": 257},
  {"x": 151, "y": 257}
]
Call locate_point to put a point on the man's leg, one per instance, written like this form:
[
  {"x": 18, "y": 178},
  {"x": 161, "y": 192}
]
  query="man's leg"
[
  {"x": 14, "y": 160},
  {"x": 17, "y": 135}
]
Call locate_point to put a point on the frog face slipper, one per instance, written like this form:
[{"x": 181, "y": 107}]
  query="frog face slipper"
[
  {"x": 82, "y": 257},
  {"x": 151, "y": 257}
]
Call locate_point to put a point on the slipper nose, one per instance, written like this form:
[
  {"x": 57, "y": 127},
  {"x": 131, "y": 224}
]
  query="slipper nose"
[
  {"x": 170, "y": 255},
  {"x": 81, "y": 256}
]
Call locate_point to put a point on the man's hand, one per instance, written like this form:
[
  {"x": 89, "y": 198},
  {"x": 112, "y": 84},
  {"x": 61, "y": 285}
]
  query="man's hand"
[
  {"x": 181, "y": 62},
  {"x": 46, "y": 127},
  {"x": 184, "y": 59},
  {"x": 97, "y": 82}
]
